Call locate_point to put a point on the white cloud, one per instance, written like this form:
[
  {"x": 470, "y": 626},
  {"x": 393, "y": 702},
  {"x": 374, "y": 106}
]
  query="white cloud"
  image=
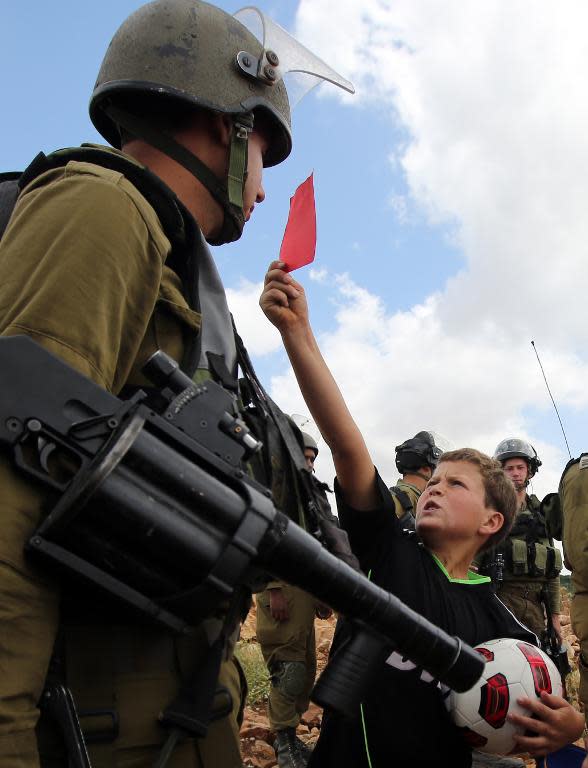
[
  {"x": 402, "y": 372},
  {"x": 319, "y": 275},
  {"x": 259, "y": 336},
  {"x": 399, "y": 204},
  {"x": 492, "y": 101}
]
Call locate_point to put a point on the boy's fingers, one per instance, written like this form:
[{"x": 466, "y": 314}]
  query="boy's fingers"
[
  {"x": 278, "y": 276},
  {"x": 532, "y": 746},
  {"x": 553, "y": 701},
  {"x": 274, "y": 275},
  {"x": 528, "y": 723},
  {"x": 277, "y": 268},
  {"x": 535, "y": 706},
  {"x": 276, "y": 296},
  {"x": 274, "y": 285}
]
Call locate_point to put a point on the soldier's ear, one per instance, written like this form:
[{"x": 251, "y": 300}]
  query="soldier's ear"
[{"x": 223, "y": 128}]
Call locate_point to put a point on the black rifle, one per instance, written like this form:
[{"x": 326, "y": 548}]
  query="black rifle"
[
  {"x": 58, "y": 702},
  {"x": 150, "y": 502},
  {"x": 552, "y": 645},
  {"x": 492, "y": 565}
]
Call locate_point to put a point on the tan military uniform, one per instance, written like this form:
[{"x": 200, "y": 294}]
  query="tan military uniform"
[
  {"x": 83, "y": 272},
  {"x": 573, "y": 492},
  {"x": 520, "y": 591},
  {"x": 292, "y": 640},
  {"x": 409, "y": 493}
]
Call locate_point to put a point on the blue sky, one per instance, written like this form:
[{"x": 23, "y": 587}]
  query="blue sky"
[{"x": 450, "y": 205}]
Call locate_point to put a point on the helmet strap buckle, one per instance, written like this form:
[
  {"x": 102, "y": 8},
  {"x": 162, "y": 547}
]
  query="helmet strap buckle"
[{"x": 238, "y": 155}]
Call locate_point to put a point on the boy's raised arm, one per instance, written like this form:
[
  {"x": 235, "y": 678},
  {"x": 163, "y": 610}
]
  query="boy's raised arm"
[{"x": 284, "y": 304}]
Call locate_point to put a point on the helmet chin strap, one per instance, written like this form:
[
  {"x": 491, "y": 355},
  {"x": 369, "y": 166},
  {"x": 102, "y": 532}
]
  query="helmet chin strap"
[{"x": 229, "y": 196}]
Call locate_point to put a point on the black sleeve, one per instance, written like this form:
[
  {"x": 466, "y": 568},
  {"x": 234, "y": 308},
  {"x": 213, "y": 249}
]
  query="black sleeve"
[
  {"x": 510, "y": 626},
  {"x": 369, "y": 530}
]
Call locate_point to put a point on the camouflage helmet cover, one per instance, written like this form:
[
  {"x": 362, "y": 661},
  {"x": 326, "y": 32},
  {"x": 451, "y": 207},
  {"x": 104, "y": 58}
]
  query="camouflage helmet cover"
[
  {"x": 514, "y": 447},
  {"x": 185, "y": 51},
  {"x": 418, "y": 451}
]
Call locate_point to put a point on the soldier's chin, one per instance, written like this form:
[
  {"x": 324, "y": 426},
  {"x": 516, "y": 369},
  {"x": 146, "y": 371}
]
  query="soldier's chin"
[{"x": 520, "y": 487}]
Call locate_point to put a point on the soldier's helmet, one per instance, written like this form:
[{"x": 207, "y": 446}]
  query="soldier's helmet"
[
  {"x": 514, "y": 447},
  {"x": 310, "y": 443},
  {"x": 186, "y": 52},
  {"x": 418, "y": 451},
  {"x": 173, "y": 55}
]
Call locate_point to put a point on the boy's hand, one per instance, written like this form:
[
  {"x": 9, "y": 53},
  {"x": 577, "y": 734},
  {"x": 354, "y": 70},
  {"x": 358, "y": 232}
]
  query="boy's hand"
[
  {"x": 553, "y": 724},
  {"x": 282, "y": 300}
]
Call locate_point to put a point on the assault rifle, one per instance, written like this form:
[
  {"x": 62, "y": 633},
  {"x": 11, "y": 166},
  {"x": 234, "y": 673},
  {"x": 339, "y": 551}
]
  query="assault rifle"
[
  {"x": 552, "y": 645},
  {"x": 149, "y": 500},
  {"x": 493, "y": 566}
]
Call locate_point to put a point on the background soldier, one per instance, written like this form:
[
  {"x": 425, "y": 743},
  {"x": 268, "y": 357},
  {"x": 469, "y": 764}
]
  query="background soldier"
[
  {"x": 527, "y": 565},
  {"x": 416, "y": 459},
  {"x": 573, "y": 492},
  {"x": 285, "y": 632},
  {"x": 103, "y": 261}
]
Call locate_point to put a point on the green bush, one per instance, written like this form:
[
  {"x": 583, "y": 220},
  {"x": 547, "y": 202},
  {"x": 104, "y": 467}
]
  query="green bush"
[{"x": 258, "y": 682}]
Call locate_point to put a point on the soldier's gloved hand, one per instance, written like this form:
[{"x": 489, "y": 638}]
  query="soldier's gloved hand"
[
  {"x": 323, "y": 611},
  {"x": 278, "y": 605}
]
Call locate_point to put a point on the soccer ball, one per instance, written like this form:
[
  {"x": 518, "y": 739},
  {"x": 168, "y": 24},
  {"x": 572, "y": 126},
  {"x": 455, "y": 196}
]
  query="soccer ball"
[{"x": 513, "y": 669}]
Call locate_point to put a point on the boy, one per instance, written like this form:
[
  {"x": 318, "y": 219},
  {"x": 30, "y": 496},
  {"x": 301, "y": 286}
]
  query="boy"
[{"x": 468, "y": 505}]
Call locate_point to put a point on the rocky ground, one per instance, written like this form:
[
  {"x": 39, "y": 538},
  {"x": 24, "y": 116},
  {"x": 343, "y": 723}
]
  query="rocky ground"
[{"x": 256, "y": 735}]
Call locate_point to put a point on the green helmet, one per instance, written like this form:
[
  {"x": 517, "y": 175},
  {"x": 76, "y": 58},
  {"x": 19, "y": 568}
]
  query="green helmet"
[
  {"x": 513, "y": 447},
  {"x": 189, "y": 54}
]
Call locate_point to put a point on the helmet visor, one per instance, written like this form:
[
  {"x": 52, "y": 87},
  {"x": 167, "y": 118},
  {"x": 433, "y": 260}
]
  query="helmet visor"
[{"x": 291, "y": 61}]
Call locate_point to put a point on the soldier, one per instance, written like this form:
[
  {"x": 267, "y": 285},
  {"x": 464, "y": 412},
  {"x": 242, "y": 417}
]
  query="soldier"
[
  {"x": 104, "y": 260},
  {"x": 285, "y": 632},
  {"x": 416, "y": 460},
  {"x": 573, "y": 492},
  {"x": 526, "y": 567}
]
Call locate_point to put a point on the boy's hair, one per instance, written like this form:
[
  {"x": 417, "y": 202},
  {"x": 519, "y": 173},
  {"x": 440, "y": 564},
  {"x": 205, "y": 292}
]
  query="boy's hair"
[{"x": 498, "y": 487}]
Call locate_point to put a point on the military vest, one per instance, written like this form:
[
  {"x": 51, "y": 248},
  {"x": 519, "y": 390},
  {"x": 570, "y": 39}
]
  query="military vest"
[{"x": 528, "y": 550}]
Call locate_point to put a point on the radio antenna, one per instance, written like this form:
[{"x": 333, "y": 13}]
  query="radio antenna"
[{"x": 552, "y": 400}]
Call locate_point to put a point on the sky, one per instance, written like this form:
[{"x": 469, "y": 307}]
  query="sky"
[{"x": 450, "y": 194}]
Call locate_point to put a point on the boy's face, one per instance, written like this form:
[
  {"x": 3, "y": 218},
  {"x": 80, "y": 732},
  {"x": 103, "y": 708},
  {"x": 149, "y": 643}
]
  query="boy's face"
[{"x": 452, "y": 506}]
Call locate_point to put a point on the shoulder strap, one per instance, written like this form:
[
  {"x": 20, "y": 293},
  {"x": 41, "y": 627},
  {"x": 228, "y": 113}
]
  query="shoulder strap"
[
  {"x": 149, "y": 185},
  {"x": 403, "y": 498},
  {"x": 177, "y": 223},
  {"x": 407, "y": 520},
  {"x": 9, "y": 190},
  {"x": 534, "y": 503}
]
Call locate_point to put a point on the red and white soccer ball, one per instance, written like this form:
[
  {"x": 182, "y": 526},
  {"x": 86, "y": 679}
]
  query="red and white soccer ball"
[{"x": 513, "y": 669}]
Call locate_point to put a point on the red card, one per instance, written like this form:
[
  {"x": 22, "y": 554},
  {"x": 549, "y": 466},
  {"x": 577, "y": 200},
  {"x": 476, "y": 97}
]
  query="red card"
[{"x": 299, "y": 242}]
